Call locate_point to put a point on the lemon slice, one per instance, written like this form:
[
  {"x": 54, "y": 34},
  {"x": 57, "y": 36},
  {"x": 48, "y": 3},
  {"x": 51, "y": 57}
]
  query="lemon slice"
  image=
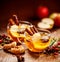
[{"x": 14, "y": 30}]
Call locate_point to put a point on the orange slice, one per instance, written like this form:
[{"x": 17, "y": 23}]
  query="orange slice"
[{"x": 13, "y": 33}]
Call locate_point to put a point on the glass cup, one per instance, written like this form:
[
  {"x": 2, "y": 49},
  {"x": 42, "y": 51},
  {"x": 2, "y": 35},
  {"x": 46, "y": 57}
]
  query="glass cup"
[
  {"x": 39, "y": 43},
  {"x": 15, "y": 36}
]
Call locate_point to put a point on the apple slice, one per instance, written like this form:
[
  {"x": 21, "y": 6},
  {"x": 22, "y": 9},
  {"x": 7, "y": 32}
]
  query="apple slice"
[{"x": 46, "y": 23}]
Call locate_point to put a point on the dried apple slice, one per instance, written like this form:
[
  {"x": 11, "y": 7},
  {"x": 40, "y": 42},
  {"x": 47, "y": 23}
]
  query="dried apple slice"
[
  {"x": 46, "y": 23},
  {"x": 43, "y": 26}
]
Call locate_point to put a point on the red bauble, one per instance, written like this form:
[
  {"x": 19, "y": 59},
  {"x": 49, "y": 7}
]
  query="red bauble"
[{"x": 42, "y": 12}]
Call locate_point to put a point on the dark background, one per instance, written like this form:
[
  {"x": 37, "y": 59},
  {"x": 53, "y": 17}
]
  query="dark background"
[{"x": 25, "y": 9}]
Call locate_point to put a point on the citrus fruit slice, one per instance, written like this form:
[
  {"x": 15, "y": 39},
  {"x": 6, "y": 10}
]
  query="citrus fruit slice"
[{"x": 14, "y": 30}]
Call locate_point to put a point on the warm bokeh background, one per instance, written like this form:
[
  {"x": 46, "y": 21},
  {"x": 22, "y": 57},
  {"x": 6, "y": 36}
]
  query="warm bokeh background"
[{"x": 25, "y": 9}]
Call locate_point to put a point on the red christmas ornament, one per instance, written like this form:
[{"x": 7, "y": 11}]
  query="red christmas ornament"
[{"x": 42, "y": 12}]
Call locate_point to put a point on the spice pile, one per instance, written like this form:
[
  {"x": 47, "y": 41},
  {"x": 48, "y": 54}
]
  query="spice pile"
[
  {"x": 54, "y": 47},
  {"x": 12, "y": 47},
  {"x": 4, "y": 39}
]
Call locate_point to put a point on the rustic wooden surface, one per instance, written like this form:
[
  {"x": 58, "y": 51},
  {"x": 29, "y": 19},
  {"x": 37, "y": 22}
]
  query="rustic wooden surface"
[{"x": 32, "y": 57}]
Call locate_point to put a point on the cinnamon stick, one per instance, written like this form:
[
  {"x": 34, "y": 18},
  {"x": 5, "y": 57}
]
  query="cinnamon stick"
[
  {"x": 35, "y": 29},
  {"x": 32, "y": 29},
  {"x": 15, "y": 19},
  {"x": 29, "y": 31},
  {"x": 11, "y": 21}
]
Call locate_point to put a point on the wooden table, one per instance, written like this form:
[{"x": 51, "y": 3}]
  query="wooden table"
[{"x": 32, "y": 57}]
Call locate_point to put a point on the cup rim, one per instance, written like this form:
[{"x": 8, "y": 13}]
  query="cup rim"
[{"x": 29, "y": 23}]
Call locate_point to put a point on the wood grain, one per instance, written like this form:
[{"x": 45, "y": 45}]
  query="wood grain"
[{"x": 6, "y": 57}]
